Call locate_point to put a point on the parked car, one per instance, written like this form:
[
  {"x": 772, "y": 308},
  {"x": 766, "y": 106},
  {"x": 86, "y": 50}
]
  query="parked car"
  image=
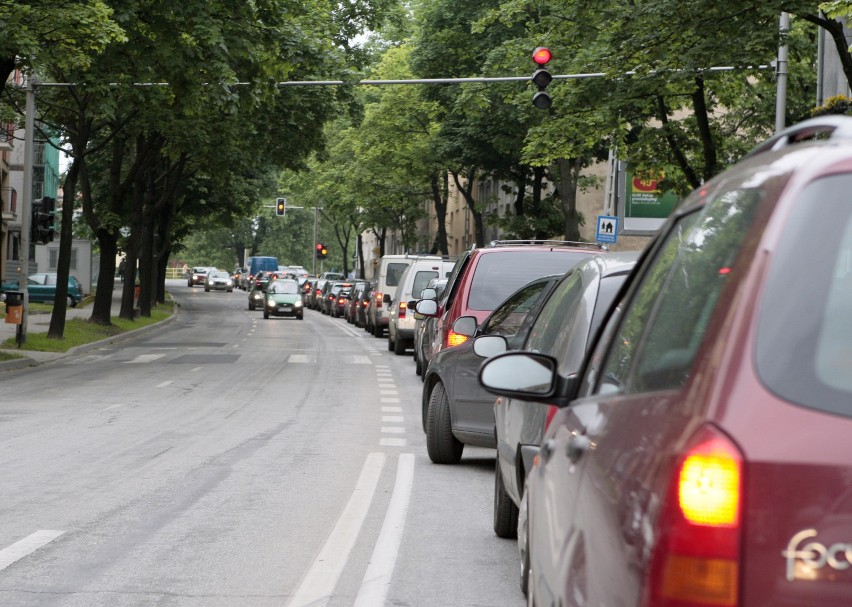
[
  {"x": 218, "y": 280},
  {"x": 41, "y": 288},
  {"x": 341, "y": 294},
  {"x": 283, "y": 298},
  {"x": 315, "y": 297},
  {"x": 455, "y": 409},
  {"x": 569, "y": 316},
  {"x": 350, "y": 312},
  {"x": 197, "y": 276},
  {"x": 483, "y": 277},
  {"x": 328, "y": 302},
  {"x": 424, "y": 325},
  {"x": 387, "y": 277},
  {"x": 701, "y": 454},
  {"x": 411, "y": 283},
  {"x": 364, "y": 302}
]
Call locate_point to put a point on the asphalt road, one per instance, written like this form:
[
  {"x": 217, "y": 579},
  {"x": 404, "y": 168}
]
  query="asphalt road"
[{"x": 228, "y": 460}]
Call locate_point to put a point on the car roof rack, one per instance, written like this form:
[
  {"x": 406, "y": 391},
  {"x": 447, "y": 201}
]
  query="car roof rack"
[
  {"x": 551, "y": 243},
  {"x": 830, "y": 127}
]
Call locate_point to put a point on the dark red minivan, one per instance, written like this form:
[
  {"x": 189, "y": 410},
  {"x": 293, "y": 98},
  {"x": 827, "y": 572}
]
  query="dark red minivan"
[{"x": 703, "y": 455}]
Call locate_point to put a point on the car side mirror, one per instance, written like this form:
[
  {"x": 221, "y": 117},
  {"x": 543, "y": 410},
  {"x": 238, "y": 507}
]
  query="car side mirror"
[
  {"x": 465, "y": 325},
  {"x": 524, "y": 375},
  {"x": 487, "y": 346},
  {"x": 427, "y": 307},
  {"x": 428, "y": 294}
]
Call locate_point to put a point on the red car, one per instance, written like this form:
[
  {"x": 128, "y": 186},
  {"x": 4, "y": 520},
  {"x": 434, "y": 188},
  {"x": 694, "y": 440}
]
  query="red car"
[{"x": 702, "y": 456}]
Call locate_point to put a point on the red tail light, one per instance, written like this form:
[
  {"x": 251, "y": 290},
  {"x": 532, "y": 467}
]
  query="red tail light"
[
  {"x": 365, "y": 303},
  {"x": 403, "y": 308},
  {"x": 696, "y": 561},
  {"x": 378, "y": 300},
  {"x": 341, "y": 300},
  {"x": 455, "y": 339}
]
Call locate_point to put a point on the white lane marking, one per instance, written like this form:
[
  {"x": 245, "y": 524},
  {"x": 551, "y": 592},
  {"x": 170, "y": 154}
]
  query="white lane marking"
[
  {"x": 388, "y": 392},
  {"x": 389, "y": 419},
  {"x": 377, "y": 579},
  {"x": 318, "y": 584},
  {"x": 393, "y": 442},
  {"x": 27, "y": 546},
  {"x": 164, "y": 384},
  {"x": 361, "y": 360},
  {"x": 196, "y": 369},
  {"x": 302, "y": 358},
  {"x": 387, "y": 385},
  {"x": 113, "y": 407},
  {"x": 388, "y": 400},
  {"x": 145, "y": 358},
  {"x": 382, "y": 367},
  {"x": 392, "y": 409},
  {"x": 393, "y": 430}
]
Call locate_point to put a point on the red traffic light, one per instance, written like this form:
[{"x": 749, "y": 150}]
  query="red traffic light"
[
  {"x": 319, "y": 247},
  {"x": 542, "y": 55}
]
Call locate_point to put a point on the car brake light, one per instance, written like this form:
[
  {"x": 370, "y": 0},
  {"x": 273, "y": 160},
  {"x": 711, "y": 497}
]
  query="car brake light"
[
  {"x": 455, "y": 339},
  {"x": 341, "y": 300},
  {"x": 403, "y": 307},
  {"x": 378, "y": 300},
  {"x": 696, "y": 561}
]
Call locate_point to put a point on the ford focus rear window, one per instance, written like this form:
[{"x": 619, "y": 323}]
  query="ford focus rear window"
[{"x": 804, "y": 344}]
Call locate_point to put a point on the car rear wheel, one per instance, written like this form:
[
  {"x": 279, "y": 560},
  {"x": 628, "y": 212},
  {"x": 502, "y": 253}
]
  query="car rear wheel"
[
  {"x": 505, "y": 510},
  {"x": 391, "y": 343},
  {"x": 265, "y": 314},
  {"x": 442, "y": 446},
  {"x": 399, "y": 346},
  {"x": 70, "y": 302},
  {"x": 418, "y": 368},
  {"x": 524, "y": 547}
]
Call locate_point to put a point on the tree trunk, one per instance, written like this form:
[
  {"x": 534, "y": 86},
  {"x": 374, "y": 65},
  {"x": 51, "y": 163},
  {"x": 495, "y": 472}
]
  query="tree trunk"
[
  {"x": 569, "y": 177},
  {"x": 467, "y": 193},
  {"x": 439, "y": 199},
  {"x": 63, "y": 269}
]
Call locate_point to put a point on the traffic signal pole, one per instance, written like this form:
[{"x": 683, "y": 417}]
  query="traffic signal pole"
[{"x": 26, "y": 207}]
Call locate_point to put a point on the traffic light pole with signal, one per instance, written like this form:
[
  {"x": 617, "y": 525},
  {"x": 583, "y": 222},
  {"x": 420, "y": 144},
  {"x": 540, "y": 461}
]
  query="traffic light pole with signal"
[
  {"x": 542, "y": 77},
  {"x": 280, "y": 206},
  {"x": 42, "y": 220},
  {"x": 321, "y": 251}
]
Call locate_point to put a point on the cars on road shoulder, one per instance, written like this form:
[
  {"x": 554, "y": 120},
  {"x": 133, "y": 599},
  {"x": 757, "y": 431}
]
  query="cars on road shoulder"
[
  {"x": 41, "y": 288},
  {"x": 701, "y": 454},
  {"x": 413, "y": 280}
]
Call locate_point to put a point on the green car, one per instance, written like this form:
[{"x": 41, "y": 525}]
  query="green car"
[{"x": 283, "y": 298}]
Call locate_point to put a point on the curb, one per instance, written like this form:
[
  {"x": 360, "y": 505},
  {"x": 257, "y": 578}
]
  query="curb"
[{"x": 26, "y": 361}]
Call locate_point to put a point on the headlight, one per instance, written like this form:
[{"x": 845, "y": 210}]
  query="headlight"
[
  {"x": 298, "y": 303},
  {"x": 270, "y": 303}
]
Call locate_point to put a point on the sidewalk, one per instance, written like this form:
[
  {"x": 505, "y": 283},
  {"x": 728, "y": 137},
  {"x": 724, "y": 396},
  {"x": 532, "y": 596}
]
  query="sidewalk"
[{"x": 40, "y": 323}]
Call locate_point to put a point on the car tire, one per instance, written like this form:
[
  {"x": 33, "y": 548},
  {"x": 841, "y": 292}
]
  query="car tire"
[
  {"x": 418, "y": 368},
  {"x": 300, "y": 317},
  {"x": 230, "y": 290},
  {"x": 399, "y": 346},
  {"x": 391, "y": 343},
  {"x": 266, "y": 315},
  {"x": 251, "y": 306},
  {"x": 206, "y": 290},
  {"x": 70, "y": 302},
  {"x": 505, "y": 510},
  {"x": 441, "y": 445}
]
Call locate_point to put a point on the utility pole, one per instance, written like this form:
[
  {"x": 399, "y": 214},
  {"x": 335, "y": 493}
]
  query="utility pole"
[
  {"x": 313, "y": 250},
  {"x": 781, "y": 75},
  {"x": 26, "y": 205}
]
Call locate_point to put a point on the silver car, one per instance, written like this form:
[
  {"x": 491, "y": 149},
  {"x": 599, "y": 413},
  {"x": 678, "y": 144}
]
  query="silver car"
[{"x": 217, "y": 280}]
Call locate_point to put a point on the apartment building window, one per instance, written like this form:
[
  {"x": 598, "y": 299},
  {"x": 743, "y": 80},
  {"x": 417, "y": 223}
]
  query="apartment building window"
[{"x": 53, "y": 259}]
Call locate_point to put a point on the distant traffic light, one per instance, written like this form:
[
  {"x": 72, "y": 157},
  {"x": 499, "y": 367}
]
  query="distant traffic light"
[
  {"x": 321, "y": 251},
  {"x": 280, "y": 206},
  {"x": 542, "y": 77}
]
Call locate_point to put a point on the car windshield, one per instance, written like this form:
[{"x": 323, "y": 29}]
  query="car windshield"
[{"x": 284, "y": 288}]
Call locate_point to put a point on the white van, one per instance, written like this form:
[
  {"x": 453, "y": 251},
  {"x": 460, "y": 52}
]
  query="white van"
[
  {"x": 413, "y": 280},
  {"x": 385, "y": 281}
]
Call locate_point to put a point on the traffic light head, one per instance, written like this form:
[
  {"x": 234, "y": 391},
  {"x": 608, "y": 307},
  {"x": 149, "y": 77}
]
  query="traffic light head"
[
  {"x": 280, "y": 206},
  {"x": 542, "y": 77},
  {"x": 42, "y": 220},
  {"x": 321, "y": 250}
]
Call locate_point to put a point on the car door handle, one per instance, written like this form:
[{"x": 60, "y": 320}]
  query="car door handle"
[
  {"x": 577, "y": 446},
  {"x": 547, "y": 448}
]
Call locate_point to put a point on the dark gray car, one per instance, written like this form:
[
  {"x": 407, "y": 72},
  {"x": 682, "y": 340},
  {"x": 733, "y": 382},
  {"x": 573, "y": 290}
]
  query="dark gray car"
[
  {"x": 583, "y": 294},
  {"x": 456, "y": 409}
]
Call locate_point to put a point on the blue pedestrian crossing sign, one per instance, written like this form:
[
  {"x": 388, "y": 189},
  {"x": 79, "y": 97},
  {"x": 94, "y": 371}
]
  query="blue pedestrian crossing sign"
[{"x": 607, "y": 229}]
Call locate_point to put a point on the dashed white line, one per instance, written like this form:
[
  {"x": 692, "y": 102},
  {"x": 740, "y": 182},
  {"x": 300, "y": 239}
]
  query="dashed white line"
[
  {"x": 302, "y": 358},
  {"x": 164, "y": 384},
  {"x": 388, "y": 392},
  {"x": 389, "y": 400},
  {"x": 392, "y": 409},
  {"x": 377, "y": 579},
  {"x": 389, "y": 419},
  {"x": 318, "y": 584},
  {"x": 393, "y": 442},
  {"x": 27, "y": 546},
  {"x": 145, "y": 358},
  {"x": 393, "y": 430}
]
